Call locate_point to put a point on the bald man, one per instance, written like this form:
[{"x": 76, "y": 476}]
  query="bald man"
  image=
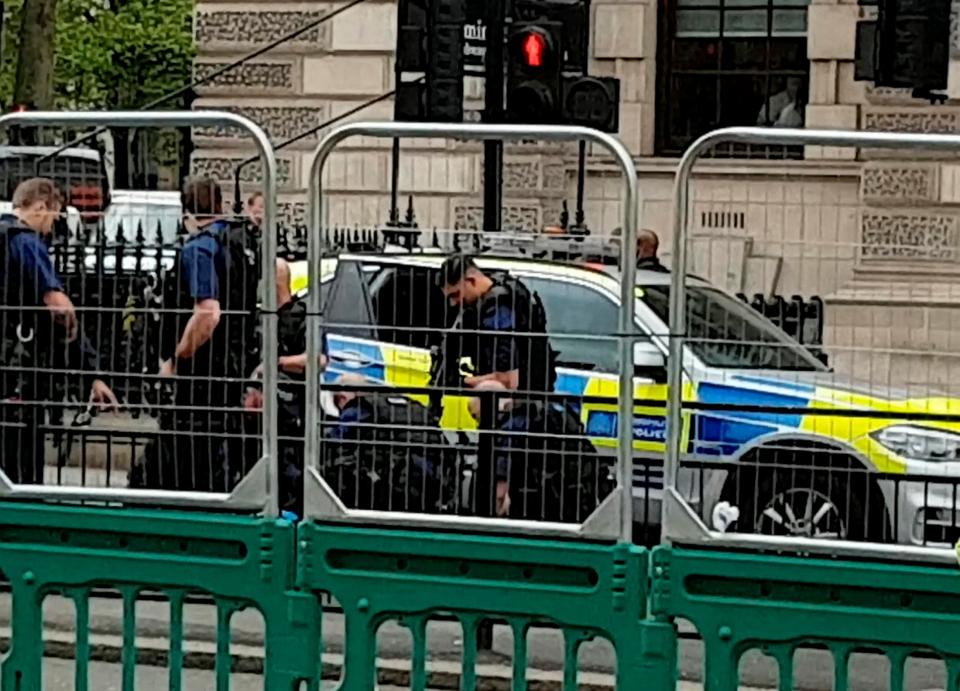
[{"x": 648, "y": 244}]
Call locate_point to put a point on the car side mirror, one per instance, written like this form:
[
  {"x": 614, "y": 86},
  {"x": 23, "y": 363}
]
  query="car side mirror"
[{"x": 649, "y": 361}]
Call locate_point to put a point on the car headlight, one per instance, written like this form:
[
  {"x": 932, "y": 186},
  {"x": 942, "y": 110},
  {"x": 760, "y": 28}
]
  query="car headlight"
[{"x": 919, "y": 443}]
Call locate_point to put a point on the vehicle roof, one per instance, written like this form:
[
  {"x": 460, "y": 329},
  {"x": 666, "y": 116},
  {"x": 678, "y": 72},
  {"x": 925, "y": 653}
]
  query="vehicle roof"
[
  {"x": 597, "y": 275},
  {"x": 145, "y": 197},
  {"x": 7, "y": 151}
]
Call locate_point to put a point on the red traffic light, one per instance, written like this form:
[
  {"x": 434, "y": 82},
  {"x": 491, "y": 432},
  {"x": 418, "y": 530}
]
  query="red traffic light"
[{"x": 534, "y": 46}]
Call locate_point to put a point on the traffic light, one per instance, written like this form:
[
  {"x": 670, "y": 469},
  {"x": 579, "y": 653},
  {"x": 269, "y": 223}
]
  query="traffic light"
[
  {"x": 592, "y": 102},
  {"x": 534, "y": 66},
  {"x": 913, "y": 44},
  {"x": 430, "y": 40}
]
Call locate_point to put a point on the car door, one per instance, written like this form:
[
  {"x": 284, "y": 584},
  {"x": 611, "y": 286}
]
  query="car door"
[{"x": 581, "y": 318}]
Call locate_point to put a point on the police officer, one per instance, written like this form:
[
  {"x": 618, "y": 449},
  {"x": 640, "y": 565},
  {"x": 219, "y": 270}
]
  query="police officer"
[
  {"x": 386, "y": 452},
  {"x": 545, "y": 467},
  {"x": 210, "y": 346},
  {"x": 510, "y": 344},
  {"x": 292, "y": 351},
  {"x": 39, "y": 331}
]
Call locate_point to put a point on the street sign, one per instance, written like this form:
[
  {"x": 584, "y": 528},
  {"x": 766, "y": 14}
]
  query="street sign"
[{"x": 475, "y": 38}]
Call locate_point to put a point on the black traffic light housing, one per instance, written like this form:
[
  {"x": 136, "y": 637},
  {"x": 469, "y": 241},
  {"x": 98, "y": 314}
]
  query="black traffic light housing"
[
  {"x": 592, "y": 102},
  {"x": 430, "y": 40},
  {"x": 534, "y": 72}
]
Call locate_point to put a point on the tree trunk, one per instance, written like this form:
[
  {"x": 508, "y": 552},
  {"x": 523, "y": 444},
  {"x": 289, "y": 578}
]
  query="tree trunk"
[{"x": 34, "y": 81}]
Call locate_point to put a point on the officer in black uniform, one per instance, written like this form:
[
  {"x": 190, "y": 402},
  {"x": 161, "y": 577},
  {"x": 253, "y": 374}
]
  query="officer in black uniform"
[
  {"x": 39, "y": 332},
  {"x": 210, "y": 345},
  {"x": 546, "y": 468},
  {"x": 502, "y": 328},
  {"x": 386, "y": 452},
  {"x": 292, "y": 363}
]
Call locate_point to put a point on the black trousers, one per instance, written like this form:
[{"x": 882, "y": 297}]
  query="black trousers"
[{"x": 21, "y": 442}]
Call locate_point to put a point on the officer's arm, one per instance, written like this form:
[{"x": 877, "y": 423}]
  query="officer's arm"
[
  {"x": 501, "y": 320},
  {"x": 201, "y": 274},
  {"x": 41, "y": 279}
]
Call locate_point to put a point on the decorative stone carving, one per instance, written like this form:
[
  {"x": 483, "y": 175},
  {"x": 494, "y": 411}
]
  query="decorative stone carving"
[
  {"x": 890, "y": 95},
  {"x": 894, "y": 184},
  {"x": 554, "y": 177},
  {"x": 909, "y": 236},
  {"x": 224, "y": 168},
  {"x": 254, "y": 76},
  {"x": 516, "y": 218},
  {"x": 292, "y": 214},
  {"x": 926, "y": 120},
  {"x": 279, "y": 123},
  {"x": 521, "y": 175},
  {"x": 258, "y": 27}
]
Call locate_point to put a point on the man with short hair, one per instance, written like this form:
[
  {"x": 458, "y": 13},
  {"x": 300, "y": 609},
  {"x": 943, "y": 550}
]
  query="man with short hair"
[
  {"x": 510, "y": 343},
  {"x": 210, "y": 346},
  {"x": 39, "y": 331}
]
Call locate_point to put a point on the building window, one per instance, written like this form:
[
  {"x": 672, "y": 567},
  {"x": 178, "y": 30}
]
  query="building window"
[{"x": 730, "y": 62}]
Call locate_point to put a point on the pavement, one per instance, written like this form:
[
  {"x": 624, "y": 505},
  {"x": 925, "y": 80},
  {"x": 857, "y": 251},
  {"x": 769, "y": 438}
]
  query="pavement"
[{"x": 813, "y": 668}]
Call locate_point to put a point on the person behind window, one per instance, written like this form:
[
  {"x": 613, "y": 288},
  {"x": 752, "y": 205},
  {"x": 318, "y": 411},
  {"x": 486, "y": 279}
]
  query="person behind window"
[{"x": 784, "y": 108}]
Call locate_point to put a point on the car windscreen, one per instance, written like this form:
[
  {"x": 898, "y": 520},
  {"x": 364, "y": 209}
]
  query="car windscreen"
[
  {"x": 83, "y": 181},
  {"x": 725, "y": 332}
]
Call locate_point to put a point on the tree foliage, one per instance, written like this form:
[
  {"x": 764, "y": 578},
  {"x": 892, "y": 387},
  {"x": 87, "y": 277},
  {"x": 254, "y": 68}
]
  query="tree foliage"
[{"x": 111, "y": 54}]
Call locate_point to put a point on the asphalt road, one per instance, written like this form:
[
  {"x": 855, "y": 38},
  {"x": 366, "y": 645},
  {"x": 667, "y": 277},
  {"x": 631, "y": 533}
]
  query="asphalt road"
[{"x": 813, "y": 669}]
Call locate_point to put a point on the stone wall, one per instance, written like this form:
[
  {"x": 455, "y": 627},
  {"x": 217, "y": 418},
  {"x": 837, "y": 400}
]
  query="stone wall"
[{"x": 844, "y": 224}]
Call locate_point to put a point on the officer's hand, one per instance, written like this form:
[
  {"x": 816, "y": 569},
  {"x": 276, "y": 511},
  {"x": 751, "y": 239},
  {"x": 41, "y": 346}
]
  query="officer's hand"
[
  {"x": 103, "y": 394},
  {"x": 167, "y": 369},
  {"x": 63, "y": 311},
  {"x": 253, "y": 400}
]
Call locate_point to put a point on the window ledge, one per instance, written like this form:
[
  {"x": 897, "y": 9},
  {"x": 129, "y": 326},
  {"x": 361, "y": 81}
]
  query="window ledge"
[{"x": 742, "y": 167}]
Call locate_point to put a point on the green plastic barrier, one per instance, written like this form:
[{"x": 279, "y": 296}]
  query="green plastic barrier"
[
  {"x": 584, "y": 590},
  {"x": 740, "y": 601},
  {"x": 240, "y": 561}
]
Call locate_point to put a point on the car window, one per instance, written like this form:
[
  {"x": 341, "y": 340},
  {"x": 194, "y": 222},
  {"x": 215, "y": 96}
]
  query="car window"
[
  {"x": 346, "y": 309},
  {"x": 725, "y": 332},
  {"x": 408, "y": 307},
  {"x": 577, "y": 309}
]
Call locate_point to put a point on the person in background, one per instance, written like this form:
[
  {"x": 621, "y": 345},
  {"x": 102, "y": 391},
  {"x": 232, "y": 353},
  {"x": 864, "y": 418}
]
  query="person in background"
[
  {"x": 648, "y": 247},
  {"x": 253, "y": 209},
  {"x": 784, "y": 108},
  {"x": 39, "y": 332}
]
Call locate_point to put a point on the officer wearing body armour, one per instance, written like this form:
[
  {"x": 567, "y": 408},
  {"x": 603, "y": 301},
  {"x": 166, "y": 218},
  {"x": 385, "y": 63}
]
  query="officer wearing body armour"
[
  {"x": 210, "y": 344},
  {"x": 39, "y": 332},
  {"x": 545, "y": 467},
  {"x": 386, "y": 452},
  {"x": 501, "y": 329}
]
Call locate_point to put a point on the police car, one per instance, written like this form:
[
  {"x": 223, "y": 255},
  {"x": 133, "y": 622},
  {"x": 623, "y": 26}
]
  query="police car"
[{"x": 788, "y": 472}]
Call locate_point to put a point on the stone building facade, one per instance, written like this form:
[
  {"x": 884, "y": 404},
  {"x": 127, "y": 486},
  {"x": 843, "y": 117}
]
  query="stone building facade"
[{"x": 876, "y": 234}]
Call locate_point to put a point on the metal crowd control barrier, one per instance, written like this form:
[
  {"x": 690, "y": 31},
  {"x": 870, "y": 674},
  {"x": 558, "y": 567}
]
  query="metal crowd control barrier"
[
  {"x": 613, "y": 518},
  {"x": 258, "y": 490},
  {"x": 681, "y": 523}
]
